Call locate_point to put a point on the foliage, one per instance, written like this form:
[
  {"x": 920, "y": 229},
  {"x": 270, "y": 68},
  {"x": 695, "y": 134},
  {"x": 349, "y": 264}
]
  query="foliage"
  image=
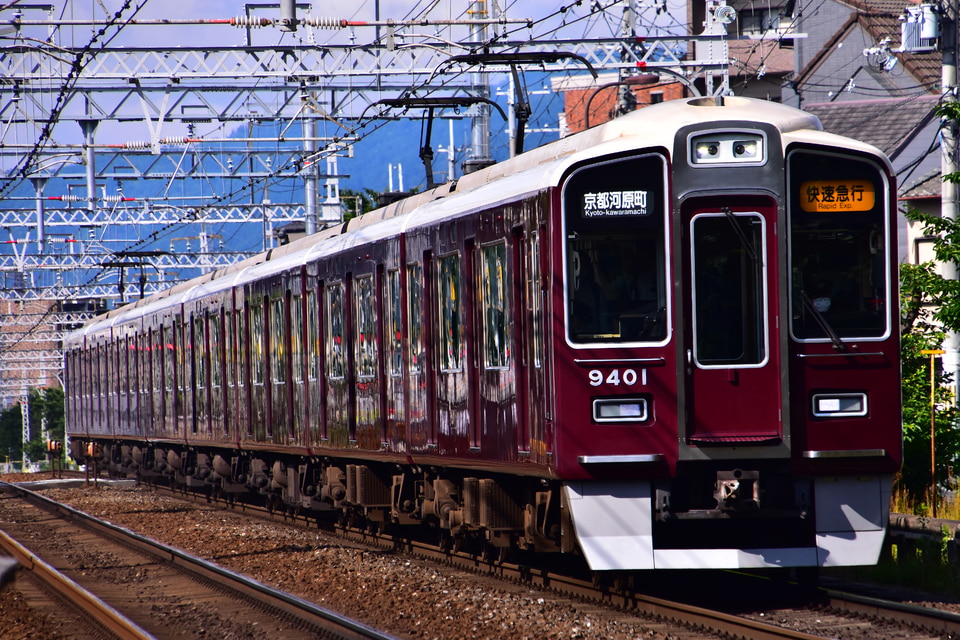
[
  {"x": 45, "y": 405},
  {"x": 356, "y": 203},
  {"x": 928, "y": 286},
  {"x": 929, "y": 305}
]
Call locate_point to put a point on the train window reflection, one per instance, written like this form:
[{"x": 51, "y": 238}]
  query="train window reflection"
[
  {"x": 366, "y": 343},
  {"x": 256, "y": 343},
  {"x": 313, "y": 339},
  {"x": 838, "y": 263},
  {"x": 493, "y": 282},
  {"x": 615, "y": 252},
  {"x": 415, "y": 315},
  {"x": 394, "y": 325},
  {"x": 296, "y": 337},
  {"x": 278, "y": 352},
  {"x": 728, "y": 289},
  {"x": 452, "y": 350},
  {"x": 334, "y": 325}
]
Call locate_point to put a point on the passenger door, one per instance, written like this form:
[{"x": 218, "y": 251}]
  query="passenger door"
[{"x": 731, "y": 342}]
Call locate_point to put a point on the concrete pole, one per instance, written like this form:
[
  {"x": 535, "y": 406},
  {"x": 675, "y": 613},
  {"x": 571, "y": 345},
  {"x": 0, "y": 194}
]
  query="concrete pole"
[
  {"x": 948, "y": 163},
  {"x": 480, "y": 132},
  {"x": 310, "y": 176},
  {"x": 89, "y": 127}
]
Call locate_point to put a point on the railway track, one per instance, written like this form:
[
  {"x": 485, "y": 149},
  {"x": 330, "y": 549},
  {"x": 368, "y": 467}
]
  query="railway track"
[
  {"x": 674, "y": 614},
  {"x": 829, "y": 613},
  {"x": 138, "y": 588}
]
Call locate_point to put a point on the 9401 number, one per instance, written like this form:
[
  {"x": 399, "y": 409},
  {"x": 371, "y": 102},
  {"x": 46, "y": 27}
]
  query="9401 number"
[{"x": 616, "y": 377}]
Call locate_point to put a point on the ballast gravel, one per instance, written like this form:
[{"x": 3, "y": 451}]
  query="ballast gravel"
[{"x": 404, "y": 596}]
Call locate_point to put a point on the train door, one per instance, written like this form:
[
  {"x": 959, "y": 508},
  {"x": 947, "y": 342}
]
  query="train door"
[
  {"x": 279, "y": 399},
  {"x": 335, "y": 365},
  {"x": 395, "y": 419},
  {"x": 732, "y": 338},
  {"x": 200, "y": 365},
  {"x": 531, "y": 304},
  {"x": 498, "y": 325},
  {"x": 455, "y": 431},
  {"x": 231, "y": 360},
  {"x": 298, "y": 387},
  {"x": 314, "y": 356},
  {"x": 217, "y": 388},
  {"x": 368, "y": 430},
  {"x": 257, "y": 332},
  {"x": 418, "y": 370}
]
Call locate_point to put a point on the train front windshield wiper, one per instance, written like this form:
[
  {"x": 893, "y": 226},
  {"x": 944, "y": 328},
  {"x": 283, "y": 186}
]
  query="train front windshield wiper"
[{"x": 823, "y": 323}]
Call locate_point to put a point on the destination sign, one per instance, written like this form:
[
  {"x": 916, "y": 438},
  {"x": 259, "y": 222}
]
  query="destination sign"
[
  {"x": 616, "y": 203},
  {"x": 823, "y": 196}
]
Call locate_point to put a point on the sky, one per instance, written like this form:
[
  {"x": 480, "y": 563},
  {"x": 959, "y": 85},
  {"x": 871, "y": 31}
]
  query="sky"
[{"x": 548, "y": 24}]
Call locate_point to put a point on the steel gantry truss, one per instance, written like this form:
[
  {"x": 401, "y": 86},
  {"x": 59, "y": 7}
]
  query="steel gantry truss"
[{"x": 86, "y": 121}]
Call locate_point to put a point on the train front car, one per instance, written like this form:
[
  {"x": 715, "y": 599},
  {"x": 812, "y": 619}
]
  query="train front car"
[{"x": 727, "y": 359}]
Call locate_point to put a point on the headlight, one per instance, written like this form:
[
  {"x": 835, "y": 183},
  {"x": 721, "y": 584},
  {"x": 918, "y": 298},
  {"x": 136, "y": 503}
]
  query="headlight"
[
  {"x": 727, "y": 148},
  {"x": 620, "y": 410},
  {"x": 839, "y": 405}
]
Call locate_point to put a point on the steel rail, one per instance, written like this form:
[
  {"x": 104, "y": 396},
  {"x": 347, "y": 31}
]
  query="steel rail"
[
  {"x": 87, "y": 603},
  {"x": 334, "y": 624}
]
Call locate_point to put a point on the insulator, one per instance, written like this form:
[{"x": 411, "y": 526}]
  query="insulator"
[
  {"x": 136, "y": 144},
  {"x": 325, "y": 23},
  {"x": 174, "y": 140},
  {"x": 66, "y": 198},
  {"x": 250, "y": 21}
]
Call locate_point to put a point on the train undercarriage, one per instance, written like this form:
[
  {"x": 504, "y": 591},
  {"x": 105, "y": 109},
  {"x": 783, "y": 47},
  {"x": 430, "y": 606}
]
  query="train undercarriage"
[
  {"x": 490, "y": 513},
  {"x": 711, "y": 518}
]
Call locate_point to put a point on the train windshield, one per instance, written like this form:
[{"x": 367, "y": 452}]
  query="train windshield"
[
  {"x": 615, "y": 256},
  {"x": 838, "y": 240}
]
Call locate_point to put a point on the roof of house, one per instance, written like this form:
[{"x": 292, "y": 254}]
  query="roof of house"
[
  {"x": 927, "y": 186},
  {"x": 759, "y": 57},
  {"x": 881, "y": 19},
  {"x": 887, "y": 124}
]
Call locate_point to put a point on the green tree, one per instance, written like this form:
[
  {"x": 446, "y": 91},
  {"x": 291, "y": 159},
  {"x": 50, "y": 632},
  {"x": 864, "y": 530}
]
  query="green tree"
[
  {"x": 46, "y": 406},
  {"x": 921, "y": 291},
  {"x": 356, "y": 203},
  {"x": 11, "y": 434}
]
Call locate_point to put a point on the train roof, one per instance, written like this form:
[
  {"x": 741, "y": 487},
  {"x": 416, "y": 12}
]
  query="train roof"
[{"x": 531, "y": 172}]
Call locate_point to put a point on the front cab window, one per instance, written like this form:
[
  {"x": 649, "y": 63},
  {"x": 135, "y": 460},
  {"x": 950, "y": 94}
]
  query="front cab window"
[
  {"x": 615, "y": 257},
  {"x": 838, "y": 265}
]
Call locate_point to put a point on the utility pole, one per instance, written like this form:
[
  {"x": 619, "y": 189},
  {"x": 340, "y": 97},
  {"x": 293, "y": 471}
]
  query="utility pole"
[
  {"x": 948, "y": 162},
  {"x": 480, "y": 139}
]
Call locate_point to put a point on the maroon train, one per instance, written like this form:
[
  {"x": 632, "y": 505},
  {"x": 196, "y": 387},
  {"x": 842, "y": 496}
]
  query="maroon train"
[{"x": 667, "y": 342}]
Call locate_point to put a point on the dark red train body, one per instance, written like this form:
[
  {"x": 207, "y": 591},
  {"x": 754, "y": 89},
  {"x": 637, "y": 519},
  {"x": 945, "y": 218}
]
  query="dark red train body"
[{"x": 667, "y": 342}]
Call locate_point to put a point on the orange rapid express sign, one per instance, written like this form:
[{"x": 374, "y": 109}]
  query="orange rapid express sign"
[{"x": 823, "y": 196}]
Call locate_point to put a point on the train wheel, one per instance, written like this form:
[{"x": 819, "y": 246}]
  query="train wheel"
[{"x": 446, "y": 541}]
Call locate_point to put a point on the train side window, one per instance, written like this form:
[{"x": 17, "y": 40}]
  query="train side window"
[
  {"x": 615, "y": 252},
  {"x": 493, "y": 278},
  {"x": 296, "y": 337},
  {"x": 394, "y": 325},
  {"x": 452, "y": 348},
  {"x": 365, "y": 339},
  {"x": 215, "y": 346},
  {"x": 278, "y": 352},
  {"x": 199, "y": 353},
  {"x": 256, "y": 344},
  {"x": 169, "y": 358},
  {"x": 839, "y": 263},
  {"x": 313, "y": 337},
  {"x": 229, "y": 358},
  {"x": 334, "y": 325},
  {"x": 415, "y": 313},
  {"x": 183, "y": 354},
  {"x": 535, "y": 300},
  {"x": 243, "y": 347}
]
